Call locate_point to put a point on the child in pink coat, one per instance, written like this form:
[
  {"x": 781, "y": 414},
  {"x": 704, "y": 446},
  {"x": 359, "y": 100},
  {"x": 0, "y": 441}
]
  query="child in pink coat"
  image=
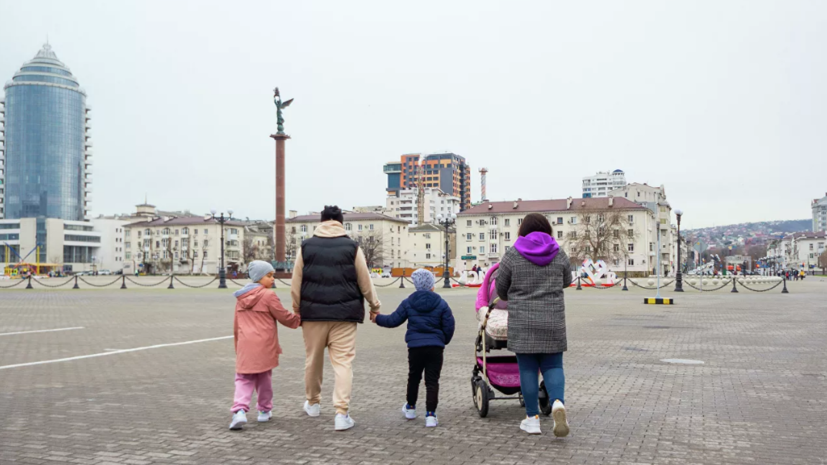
[{"x": 257, "y": 342}]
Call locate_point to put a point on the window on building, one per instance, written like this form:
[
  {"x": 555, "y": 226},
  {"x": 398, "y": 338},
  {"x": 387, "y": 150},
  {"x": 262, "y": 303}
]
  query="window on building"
[
  {"x": 493, "y": 248},
  {"x": 507, "y": 235},
  {"x": 559, "y": 234},
  {"x": 206, "y": 231},
  {"x": 370, "y": 226},
  {"x": 572, "y": 234},
  {"x": 427, "y": 256},
  {"x": 205, "y": 243},
  {"x": 494, "y": 220},
  {"x": 573, "y": 220},
  {"x": 631, "y": 247},
  {"x": 630, "y": 233},
  {"x": 519, "y": 221},
  {"x": 482, "y": 236},
  {"x": 468, "y": 236},
  {"x": 631, "y": 218},
  {"x": 195, "y": 231},
  {"x": 616, "y": 247},
  {"x": 127, "y": 232},
  {"x": 559, "y": 220},
  {"x": 304, "y": 228},
  {"x": 468, "y": 223},
  {"x": 469, "y": 250},
  {"x": 205, "y": 254},
  {"x": 157, "y": 244},
  {"x": 359, "y": 227},
  {"x": 147, "y": 232},
  {"x": 651, "y": 247},
  {"x": 348, "y": 227},
  {"x": 631, "y": 262}
]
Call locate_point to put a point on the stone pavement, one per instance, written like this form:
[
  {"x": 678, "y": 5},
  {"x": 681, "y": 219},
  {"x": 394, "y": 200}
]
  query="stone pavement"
[{"x": 758, "y": 398}]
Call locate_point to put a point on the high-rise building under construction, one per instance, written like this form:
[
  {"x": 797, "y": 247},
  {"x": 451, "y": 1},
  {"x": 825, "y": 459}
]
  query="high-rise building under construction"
[{"x": 447, "y": 172}]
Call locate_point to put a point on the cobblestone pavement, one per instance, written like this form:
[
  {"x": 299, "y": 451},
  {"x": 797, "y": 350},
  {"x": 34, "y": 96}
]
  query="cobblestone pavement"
[{"x": 758, "y": 398}]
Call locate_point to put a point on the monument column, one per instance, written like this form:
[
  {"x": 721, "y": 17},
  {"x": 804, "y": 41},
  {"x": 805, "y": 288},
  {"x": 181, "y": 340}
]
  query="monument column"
[{"x": 280, "y": 137}]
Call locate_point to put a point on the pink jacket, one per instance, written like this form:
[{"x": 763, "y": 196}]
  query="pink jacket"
[
  {"x": 488, "y": 289},
  {"x": 256, "y": 333}
]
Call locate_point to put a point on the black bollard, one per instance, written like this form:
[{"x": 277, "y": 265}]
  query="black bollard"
[
  {"x": 624, "y": 284},
  {"x": 76, "y": 283},
  {"x": 579, "y": 288},
  {"x": 784, "y": 291},
  {"x": 123, "y": 282},
  {"x": 170, "y": 283},
  {"x": 734, "y": 280},
  {"x": 402, "y": 280},
  {"x": 29, "y": 285}
]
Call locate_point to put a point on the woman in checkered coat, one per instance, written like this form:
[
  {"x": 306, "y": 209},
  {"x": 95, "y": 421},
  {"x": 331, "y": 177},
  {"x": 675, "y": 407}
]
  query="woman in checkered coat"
[{"x": 532, "y": 277}]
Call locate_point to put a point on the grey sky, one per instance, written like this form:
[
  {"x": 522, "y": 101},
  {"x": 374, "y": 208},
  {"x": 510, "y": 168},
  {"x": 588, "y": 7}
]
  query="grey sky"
[{"x": 723, "y": 102}]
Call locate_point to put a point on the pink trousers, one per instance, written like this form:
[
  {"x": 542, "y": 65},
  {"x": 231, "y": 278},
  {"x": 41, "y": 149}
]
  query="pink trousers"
[{"x": 245, "y": 384}]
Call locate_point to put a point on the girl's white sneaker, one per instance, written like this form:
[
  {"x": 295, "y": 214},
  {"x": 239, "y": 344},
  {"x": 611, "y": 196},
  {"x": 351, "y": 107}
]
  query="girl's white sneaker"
[
  {"x": 264, "y": 416},
  {"x": 410, "y": 413},
  {"x": 431, "y": 421},
  {"x": 531, "y": 425},
  {"x": 561, "y": 424},
  {"x": 312, "y": 410},
  {"x": 239, "y": 418}
]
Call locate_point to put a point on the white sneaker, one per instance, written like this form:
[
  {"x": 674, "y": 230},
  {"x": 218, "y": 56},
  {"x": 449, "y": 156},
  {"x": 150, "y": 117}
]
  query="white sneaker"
[
  {"x": 531, "y": 425},
  {"x": 561, "y": 424},
  {"x": 431, "y": 421},
  {"x": 343, "y": 422},
  {"x": 410, "y": 413},
  {"x": 264, "y": 416},
  {"x": 312, "y": 410},
  {"x": 239, "y": 418}
]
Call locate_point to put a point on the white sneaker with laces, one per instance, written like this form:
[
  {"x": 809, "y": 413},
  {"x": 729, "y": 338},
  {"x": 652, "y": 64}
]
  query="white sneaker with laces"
[
  {"x": 239, "y": 418},
  {"x": 531, "y": 425},
  {"x": 264, "y": 416},
  {"x": 343, "y": 422},
  {"x": 410, "y": 413},
  {"x": 431, "y": 421},
  {"x": 312, "y": 410},
  {"x": 561, "y": 424}
]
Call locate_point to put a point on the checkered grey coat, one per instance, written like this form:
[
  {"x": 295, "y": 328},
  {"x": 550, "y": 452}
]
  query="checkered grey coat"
[{"x": 536, "y": 305}]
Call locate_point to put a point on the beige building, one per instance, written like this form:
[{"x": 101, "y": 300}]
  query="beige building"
[
  {"x": 184, "y": 244},
  {"x": 383, "y": 239},
  {"x": 427, "y": 246},
  {"x": 486, "y": 231}
]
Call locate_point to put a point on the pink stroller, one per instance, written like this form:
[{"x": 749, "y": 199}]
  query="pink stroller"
[{"x": 499, "y": 373}]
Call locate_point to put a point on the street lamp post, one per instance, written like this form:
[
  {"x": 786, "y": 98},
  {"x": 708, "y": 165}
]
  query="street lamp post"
[
  {"x": 679, "y": 278},
  {"x": 222, "y": 272},
  {"x": 447, "y": 222}
]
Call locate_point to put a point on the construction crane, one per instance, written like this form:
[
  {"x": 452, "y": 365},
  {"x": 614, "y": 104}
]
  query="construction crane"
[
  {"x": 420, "y": 194},
  {"x": 483, "y": 173}
]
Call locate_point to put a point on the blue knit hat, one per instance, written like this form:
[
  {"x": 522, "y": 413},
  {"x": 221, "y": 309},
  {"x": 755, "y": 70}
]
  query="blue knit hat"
[
  {"x": 423, "y": 280},
  {"x": 258, "y": 269}
]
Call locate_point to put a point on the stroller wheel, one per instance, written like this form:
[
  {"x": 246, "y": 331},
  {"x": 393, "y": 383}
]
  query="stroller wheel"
[
  {"x": 481, "y": 398},
  {"x": 545, "y": 403}
]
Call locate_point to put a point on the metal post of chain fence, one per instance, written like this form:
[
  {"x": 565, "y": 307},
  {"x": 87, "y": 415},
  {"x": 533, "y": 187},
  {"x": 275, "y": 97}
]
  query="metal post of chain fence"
[
  {"x": 734, "y": 280},
  {"x": 76, "y": 283},
  {"x": 784, "y": 291},
  {"x": 29, "y": 285},
  {"x": 579, "y": 288},
  {"x": 123, "y": 282},
  {"x": 624, "y": 284},
  {"x": 402, "y": 281},
  {"x": 170, "y": 283}
]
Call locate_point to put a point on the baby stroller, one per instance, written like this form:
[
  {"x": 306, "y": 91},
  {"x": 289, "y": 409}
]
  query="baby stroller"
[{"x": 499, "y": 372}]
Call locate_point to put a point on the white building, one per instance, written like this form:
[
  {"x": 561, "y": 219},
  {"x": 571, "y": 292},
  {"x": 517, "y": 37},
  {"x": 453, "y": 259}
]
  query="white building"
[
  {"x": 404, "y": 206},
  {"x": 801, "y": 250},
  {"x": 819, "y": 207},
  {"x": 602, "y": 183},
  {"x": 486, "y": 231},
  {"x": 69, "y": 246},
  {"x": 110, "y": 255},
  {"x": 385, "y": 239},
  {"x": 427, "y": 246}
]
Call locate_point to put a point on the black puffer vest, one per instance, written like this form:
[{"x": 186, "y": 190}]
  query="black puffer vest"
[{"x": 330, "y": 291}]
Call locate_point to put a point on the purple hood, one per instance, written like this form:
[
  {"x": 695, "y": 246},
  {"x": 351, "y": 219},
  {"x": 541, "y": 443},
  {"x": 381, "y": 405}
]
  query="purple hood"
[{"x": 539, "y": 248}]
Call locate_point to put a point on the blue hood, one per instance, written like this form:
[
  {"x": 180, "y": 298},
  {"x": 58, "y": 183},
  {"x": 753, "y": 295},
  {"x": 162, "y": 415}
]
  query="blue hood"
[
  {"x": 249, "y": 287},
  {"x": 425, "y": 301}
]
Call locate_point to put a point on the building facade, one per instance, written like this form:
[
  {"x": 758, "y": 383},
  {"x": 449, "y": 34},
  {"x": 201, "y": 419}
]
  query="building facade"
[
  {"x": 383, "y": 239},
  {"x": 486, "y": 231},
  {"x": 46, "y": 143},
  {"x": 110, "y": 255},
  {"x": 602, "y": 183},
  {"x": 427, "y": 246},
  {"x": 69, "y": 246},
  {"x": 819, "y": 207},
  {"x": 447, "y": 172},
  {"x": 801, "y": 250},
  {"x": 404, "y": 205}
]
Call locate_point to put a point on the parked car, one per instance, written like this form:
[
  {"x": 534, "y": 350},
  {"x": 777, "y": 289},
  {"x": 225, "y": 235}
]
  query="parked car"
[{"x": 105, "y": 273}]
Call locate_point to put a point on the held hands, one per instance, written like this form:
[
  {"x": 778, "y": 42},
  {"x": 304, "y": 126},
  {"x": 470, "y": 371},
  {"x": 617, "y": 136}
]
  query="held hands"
[{"x": 373, "y": 317}]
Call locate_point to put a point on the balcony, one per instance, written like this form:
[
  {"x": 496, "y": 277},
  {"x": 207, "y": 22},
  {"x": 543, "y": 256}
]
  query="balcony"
[{"x": 87, "y": 143}]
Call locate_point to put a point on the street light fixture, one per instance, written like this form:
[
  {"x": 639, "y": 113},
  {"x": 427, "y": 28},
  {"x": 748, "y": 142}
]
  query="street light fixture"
[
  {"x": 446, "y": 222},
  {"x": 222, "y": 272},
  {"x": 679, "y": 278}
]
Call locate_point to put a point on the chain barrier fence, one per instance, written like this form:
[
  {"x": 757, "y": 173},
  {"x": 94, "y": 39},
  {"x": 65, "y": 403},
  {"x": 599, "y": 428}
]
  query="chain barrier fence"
[
  {"x": 389, "y": 284},
  {"x": 101, "y": 285},
  {"x": 651, "y": 288},
  {"x": 163, "y": 281},
  {"x": 19, "y": 282},
  {"x": 759, "y": 290},
  {"x": 192, "y": 286},
  {"x": 53, "y": 286},
  {"x": 725, "y": 284}
]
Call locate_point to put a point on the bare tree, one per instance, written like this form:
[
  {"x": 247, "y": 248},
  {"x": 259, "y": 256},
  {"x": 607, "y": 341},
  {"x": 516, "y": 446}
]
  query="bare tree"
[
  {"x": 251, "y": 249},
  {"x": 291, "y": 247},
  {"x": 601, "y": 235},
  {"x": 371, "y": 244},
  {"x": 822, "y": 262}
]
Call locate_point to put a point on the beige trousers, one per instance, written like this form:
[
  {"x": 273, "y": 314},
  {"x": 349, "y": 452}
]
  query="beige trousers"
[{"x": 339, "y": 338}]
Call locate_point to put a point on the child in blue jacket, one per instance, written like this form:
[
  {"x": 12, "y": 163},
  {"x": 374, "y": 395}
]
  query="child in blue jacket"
[{"x": 430, "y": 329}]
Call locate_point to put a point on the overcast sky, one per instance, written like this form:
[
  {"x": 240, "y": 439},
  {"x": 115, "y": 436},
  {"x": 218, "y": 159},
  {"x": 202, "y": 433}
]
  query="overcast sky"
[{"x": 723, "y": 102}]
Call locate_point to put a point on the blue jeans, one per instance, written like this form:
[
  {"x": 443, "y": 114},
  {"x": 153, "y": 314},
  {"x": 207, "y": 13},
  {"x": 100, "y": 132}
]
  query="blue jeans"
[{"x": 551, "y": 365}]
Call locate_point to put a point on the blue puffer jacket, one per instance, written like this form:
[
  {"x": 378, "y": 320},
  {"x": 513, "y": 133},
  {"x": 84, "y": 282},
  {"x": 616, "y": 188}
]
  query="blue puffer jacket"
[{"x": 430, "y": 321}]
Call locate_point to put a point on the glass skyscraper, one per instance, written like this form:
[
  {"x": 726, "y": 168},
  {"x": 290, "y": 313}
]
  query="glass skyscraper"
[{"x": 47, "y": 147}]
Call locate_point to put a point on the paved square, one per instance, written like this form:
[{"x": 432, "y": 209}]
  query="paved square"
[{"x": 758, "y": 398}]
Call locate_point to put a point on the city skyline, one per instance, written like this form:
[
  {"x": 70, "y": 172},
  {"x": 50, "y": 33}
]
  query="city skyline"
[{"x": 188, "y": 115}]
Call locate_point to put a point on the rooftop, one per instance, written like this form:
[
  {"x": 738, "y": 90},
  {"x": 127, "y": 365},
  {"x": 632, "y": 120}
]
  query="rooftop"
[
  {"x": 183, "y": 221},
  {"x": 553, "y": 205}
]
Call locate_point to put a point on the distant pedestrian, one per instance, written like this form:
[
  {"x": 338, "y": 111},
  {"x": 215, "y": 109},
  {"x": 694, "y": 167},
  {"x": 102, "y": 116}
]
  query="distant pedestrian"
[
  {"x": 430, "y": 329},
  {"x": 256, "y": 338}
]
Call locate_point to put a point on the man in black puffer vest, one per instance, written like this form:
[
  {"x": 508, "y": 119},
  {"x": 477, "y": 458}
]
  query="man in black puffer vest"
[{"x": 331, "y": 282}]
